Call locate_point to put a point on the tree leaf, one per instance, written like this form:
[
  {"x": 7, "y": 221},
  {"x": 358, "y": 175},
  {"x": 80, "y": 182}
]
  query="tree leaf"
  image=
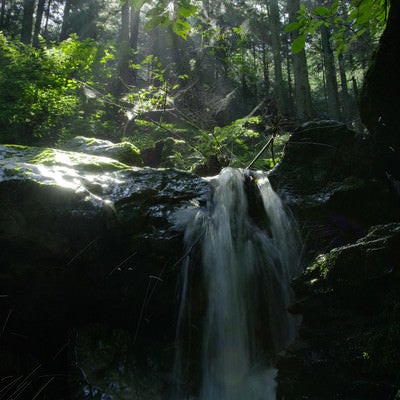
[
  {"x": 187, "y": 10},
  {"x": 181, "y": 27},
  {"x": 293, "y": 26},
  {"x": 138, "y": 4},
  {"x": 321, "y": 12},
  {"x": 298, "y": 44},
  {"x": 157, "y": 20}
]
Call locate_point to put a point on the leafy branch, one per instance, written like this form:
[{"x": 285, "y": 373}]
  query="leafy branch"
[{"x": 361, "y": 16}]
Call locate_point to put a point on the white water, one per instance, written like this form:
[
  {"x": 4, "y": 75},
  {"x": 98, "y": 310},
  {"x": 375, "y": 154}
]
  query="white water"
[{"x": 248, "y": 260}]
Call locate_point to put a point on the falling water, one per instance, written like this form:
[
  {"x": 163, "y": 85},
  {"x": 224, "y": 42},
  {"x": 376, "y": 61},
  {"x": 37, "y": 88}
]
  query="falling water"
[{"x": 249, "y": 254}]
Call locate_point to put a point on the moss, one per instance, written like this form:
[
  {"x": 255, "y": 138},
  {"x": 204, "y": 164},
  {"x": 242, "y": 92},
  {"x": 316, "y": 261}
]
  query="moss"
[
  {"x": 321, "y": 266},
  {"x": 78, "y": 160},
  {"x": 47, "y": 157}
]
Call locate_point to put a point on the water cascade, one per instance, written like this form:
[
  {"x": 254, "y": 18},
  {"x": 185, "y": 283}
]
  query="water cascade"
[{"x": 249, "y": 254}]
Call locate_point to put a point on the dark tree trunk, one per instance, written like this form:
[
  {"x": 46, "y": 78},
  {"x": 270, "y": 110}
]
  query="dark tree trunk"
[
  {"x": 125, "y": 54},
  {"x": 276, "y": 29},
  {"x": 38, "y": 22},
  {"x": 300, "y": 71},
  {"x": 346, "y": 108},
  {"x": 267, "y": 82},
  {"x": 46, "y": 25},
  {"x": 2, "y": 13},
  {"x": 27, "y": 21},
  {"x": 134, "y": 39},
  {"x": 380, "y": 97},
  {"x": 65, "y": 22},
  {"x": 330, "y": 75}
]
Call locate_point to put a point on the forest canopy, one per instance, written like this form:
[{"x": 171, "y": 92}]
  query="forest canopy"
[{"x": 216, "y": 77}]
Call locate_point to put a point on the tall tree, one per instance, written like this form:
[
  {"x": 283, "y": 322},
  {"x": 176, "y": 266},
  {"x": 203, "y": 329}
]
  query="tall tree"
[
  {"x": 2, "y": 13},
  {"x": 66, "y": 19},
  {"x": 330, "y": 74},
  {"x": 27, "y": 21},
  {"x": 134, "y": 39},
  {"x": 276, "y": 30},
  {"x": 38, "y": 21},
  {"x": 302, "y": 86},
  {"x": 380, "y": 95},
  {"x": 345, "y": 96}
]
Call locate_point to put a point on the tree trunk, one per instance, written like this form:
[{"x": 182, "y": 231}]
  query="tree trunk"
[
  {"x": 302, "y": 89},
  {"x": 27, "y": 21},
  {"x": 2, "y": 13},
  {"x": 290, "y": 97},
  {"x": 38, "y": 22},
  {"x": 346, "y": 103},
  {"x": 276, "y": 29},
  {"x": 46, "y": 25},
  {"x": 134, "y": 39},
  {"x": 380, "y": 97},
  {"x": 65, "y": 22},
  {"x": 267, "y": 82},
  {"x": 330, "y": 75}
]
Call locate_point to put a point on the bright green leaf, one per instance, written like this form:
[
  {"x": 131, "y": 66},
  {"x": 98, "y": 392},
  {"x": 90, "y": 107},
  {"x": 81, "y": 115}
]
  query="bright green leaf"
[
  {"x": 321, "y": 12},
  {"x": 138, "y": 4},
  {"x": 298, "y": 44},
  {"x": 181, "y": 27},
  {"x": 293, "y": 26},
  {"x": 188, "y": 10}
]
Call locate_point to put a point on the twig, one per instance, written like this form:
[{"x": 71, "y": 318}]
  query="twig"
[
  {"x": 260, "y": 152},
  {"x": 6, "y": 320},
  {"x": 43, "y": 387}
]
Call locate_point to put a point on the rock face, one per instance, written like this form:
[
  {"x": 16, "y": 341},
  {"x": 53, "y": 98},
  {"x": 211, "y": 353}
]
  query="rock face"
[
  {"x": 85, "y": 240},
  {"x": 124, "y": 152},
  {"x": 349, "y": 342},
  {"x": 328, "y": 179},
  {"x": 90, "y": 257}
]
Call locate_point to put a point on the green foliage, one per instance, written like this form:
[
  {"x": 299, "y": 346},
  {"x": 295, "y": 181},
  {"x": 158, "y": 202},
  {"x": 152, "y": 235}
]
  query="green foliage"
[
  {"x": 37, "y": 90},
  {"x": 166, "y": 12},
  {"x": 230, "y": 142},
  {"x": 348, "y": 22},
  {"x": 157, "y": 95}
]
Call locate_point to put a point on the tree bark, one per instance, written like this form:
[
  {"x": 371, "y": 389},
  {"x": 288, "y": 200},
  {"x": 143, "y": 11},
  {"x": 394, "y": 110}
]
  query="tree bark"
[
  {"x": 380, "y": 97},
  {"x": 2, "y": 13},
  {"x": 27, "y": 21},
  {"x": 346, "y": 103},
  {"x": 267, "y": 82},
  {"x": 276, "y": 29},
  {"x": 330, "y": 75},
  {"x": 38, "y": 22},
  {"x": 65, "y": 22},
  {"x": 302, "y": 86}
]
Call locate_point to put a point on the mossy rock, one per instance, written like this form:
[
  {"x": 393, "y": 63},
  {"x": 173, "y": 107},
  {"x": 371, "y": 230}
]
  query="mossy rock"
[
  {"x": 124, "y": 152},
  {"x": 85, "y": 239},
  {"x": 349, "y": 339}
]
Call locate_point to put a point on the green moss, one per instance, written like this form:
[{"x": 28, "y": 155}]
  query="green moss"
[
  {"x": 321, "y": 266},
  {"x": 47, "y": 157},
  {"x": 83, "y": 161}
]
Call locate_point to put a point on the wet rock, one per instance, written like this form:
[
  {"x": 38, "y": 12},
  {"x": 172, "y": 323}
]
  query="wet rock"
[
  {"x": 165, "y": 153},
  {"x": 348, "y": 344},
  {"x": 124, "y": 152},
  {"x": 328, "y": 179},
  {"x": 85, "y": 240}
]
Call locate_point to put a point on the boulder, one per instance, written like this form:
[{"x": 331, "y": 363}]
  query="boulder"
[
  {"x": 328, "y": 179},
  {"x": 86, "y": 241},
  {"x": 124, "y": 152},
  {"x": 348, "y": 345}
]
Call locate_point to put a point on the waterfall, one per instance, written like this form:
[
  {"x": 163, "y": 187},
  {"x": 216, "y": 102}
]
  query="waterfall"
[{"x": 248, "y": 254}]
